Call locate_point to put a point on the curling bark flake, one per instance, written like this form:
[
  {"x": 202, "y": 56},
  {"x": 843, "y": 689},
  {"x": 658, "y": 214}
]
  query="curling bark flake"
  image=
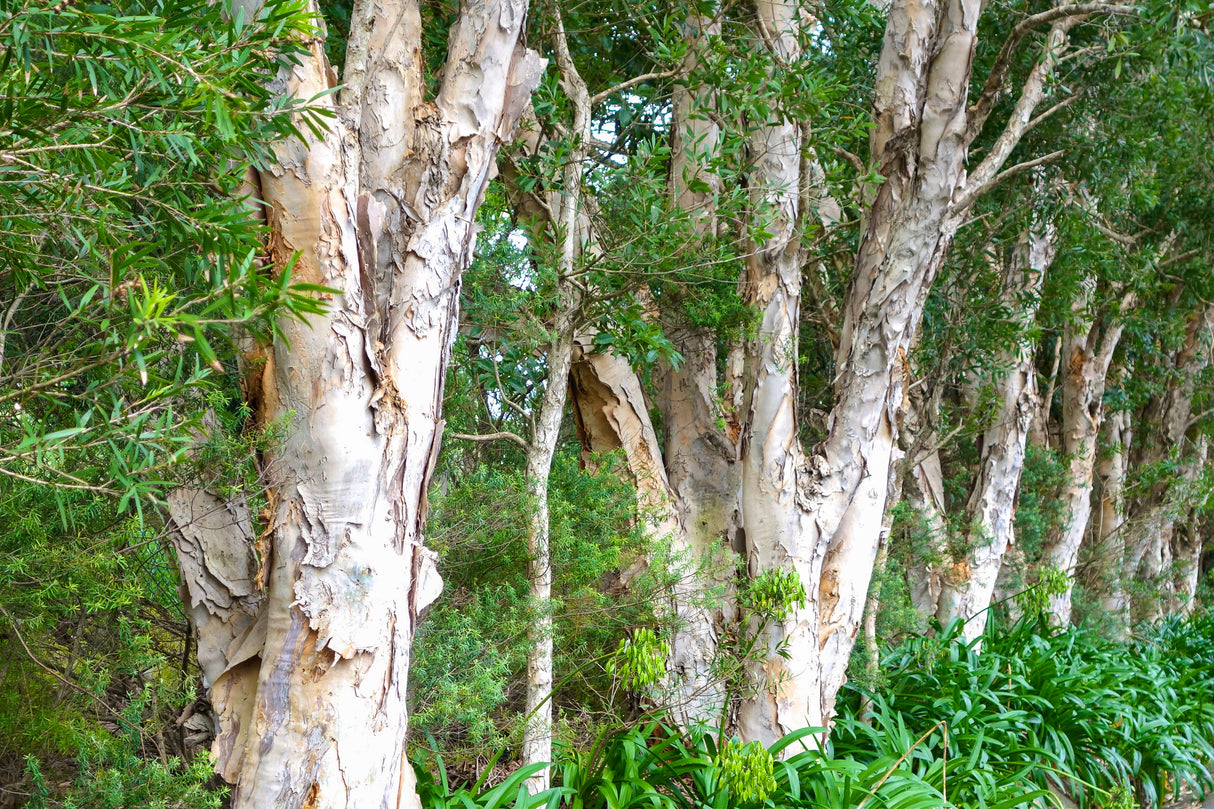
[
  {"x": 969, "y": 585},
  {"x": 380, "y": 207},
  {"x": 1087, "y": 350}
]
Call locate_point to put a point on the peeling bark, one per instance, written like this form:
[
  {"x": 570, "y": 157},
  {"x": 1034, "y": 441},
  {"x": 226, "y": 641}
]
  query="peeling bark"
[
  {"x": 1116, "y": 437},
  {"x": 1087, "y": 349},
  {"x": 1156, "y": 511},
  {"x": 381, "y": 208},
  {"x": 966, "y": 594},
  {"x": 1187, "y": 539}
]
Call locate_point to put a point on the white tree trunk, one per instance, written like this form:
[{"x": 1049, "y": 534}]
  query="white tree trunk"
[
  {"x": 924, "y": 492},
  {"x": 1151, "y": 551},
  {"x": 1087, "y": 351},
  {"x": 966, "y": 594},
  {"x": 1111, "y": 469},
  {"x": 537, "y": 730},
  {"x": 381, "y": 208},
  {"x": 573, "y": 234}
]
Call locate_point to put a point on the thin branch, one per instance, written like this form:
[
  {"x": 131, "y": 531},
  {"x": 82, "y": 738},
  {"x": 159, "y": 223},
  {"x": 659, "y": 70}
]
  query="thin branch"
[
  {"x": 502, "y": 436},
  {"x": 981, "y": 109},
  {"x": 1117, "y": 236},
  {"x": 973, "y": 193},
  {"x": 856, "y": 162},
  {"x": 1185, "y": 256},
  {"x": 8, "y": 318},
  {"x": 599, "y": 98},
  {"x": 64, "y": 680},
  {"x": 1061, "y": 105}
]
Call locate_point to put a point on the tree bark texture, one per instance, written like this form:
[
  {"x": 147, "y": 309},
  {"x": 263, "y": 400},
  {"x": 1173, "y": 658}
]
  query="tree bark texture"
[
  {"x": 1187, "y": 537},
  {"x": 380, "y": 207},
  {"x": 1116, "y": 437},
  {"x": 969, "y": 585},
  {"x": 1155, "y": 513},
  {"x": 1088, "y": 344}
]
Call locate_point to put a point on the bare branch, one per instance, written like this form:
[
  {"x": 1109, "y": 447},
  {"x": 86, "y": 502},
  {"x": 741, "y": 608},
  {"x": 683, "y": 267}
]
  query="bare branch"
[
  {"x": 599, "y": 98},
  {"x": 1061, "y": 105},
  {"x": 502, "y": 436},
  {"x": 8, "y": 318},
  {"x": 1176, "y": 259}
]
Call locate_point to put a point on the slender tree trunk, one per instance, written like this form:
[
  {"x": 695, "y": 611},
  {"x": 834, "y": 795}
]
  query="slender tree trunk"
[
  {"x": 574, "y": 235},
  {"x": 1116, "y": 438},
  {"x": 924, "y": 492},
  {"x": 379, "y": 207},
  {"x": 966, "y": 594},
  {"x": 537, "y": 731},
  {"x": 1087, "y": 350}
]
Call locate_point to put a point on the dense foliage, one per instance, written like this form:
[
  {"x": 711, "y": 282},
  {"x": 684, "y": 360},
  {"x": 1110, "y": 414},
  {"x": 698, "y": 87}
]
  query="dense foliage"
[{"x": 135, "y": 268}]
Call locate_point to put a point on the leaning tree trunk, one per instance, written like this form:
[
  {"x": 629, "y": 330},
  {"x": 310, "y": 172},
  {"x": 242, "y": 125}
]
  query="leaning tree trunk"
[
  {"x": 380, "y": 207},
  {"x": 966, "y": 594},
  {"x": 1087, "y": 351}
]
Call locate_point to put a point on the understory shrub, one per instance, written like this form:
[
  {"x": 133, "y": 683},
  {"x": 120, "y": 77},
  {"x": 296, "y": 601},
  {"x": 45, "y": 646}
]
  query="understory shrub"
[{"x": 1039, "y": 712}]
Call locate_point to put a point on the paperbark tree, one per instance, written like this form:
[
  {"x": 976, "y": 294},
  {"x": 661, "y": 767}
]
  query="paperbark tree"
[
  {"x": 1088, "y": 343},
  {"x": 820, "y": 515},
  {"x": 1116, "y": 438},
  {"x": 1156, "y": 510},
  {"x": 310, "y": 689},
  {"x": 967, "y": 589}
]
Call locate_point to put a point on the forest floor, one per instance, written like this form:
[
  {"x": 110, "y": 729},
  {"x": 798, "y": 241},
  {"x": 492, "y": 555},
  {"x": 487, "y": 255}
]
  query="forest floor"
[{"x": 1188, "y": 801}]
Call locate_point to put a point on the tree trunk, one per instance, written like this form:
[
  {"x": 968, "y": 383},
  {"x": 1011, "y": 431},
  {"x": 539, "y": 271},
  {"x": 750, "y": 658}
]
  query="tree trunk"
[
  {"x": 924, "y": 492},
  {"x": 1187, "y": 539},
  {"x": 537, "y": 731},
  {"x": 380, "y": 207},
  {"x": 1116, "y": 438},
  {"x": 1150, "y": 556},
  {"x": 966, "y": 594},
  {"x": 573, "y": 234},
  {"x": 1087, "y": 350}
]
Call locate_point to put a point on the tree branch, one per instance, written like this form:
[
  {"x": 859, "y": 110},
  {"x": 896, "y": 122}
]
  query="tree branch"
[
  {"x": 981, "y": 109},
  {"x": 972, "y": 193},
  {"x": 599, "y": 98},
  {"x": 487, "y": 437}
]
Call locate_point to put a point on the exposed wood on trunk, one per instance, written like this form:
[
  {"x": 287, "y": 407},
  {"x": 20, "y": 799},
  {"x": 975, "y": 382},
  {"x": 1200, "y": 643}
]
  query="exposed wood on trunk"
[{"x": 381, "y": 208}]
